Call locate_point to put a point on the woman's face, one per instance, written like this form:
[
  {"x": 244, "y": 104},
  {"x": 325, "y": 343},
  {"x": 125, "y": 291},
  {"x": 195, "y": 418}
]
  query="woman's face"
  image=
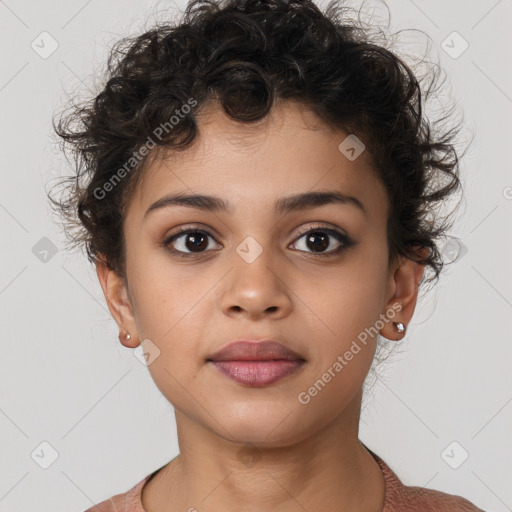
[{"x": 253, "y": 272}]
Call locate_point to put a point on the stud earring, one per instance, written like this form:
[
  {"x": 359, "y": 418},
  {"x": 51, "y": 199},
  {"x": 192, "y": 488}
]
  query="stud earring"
[
  {"x": 127, "y": 336},
  {"x": 400, "y": 327}
]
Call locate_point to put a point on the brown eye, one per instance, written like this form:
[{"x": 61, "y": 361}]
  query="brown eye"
[
  {"x": 317, "y": 241},
  {"x": 320, "y": 242},
  {"x": 189, "y": 241}
]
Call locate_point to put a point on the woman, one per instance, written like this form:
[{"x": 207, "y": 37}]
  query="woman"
[{"x": 260, "y": 205}]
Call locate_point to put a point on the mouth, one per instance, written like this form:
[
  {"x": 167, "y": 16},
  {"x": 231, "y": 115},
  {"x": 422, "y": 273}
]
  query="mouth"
[{"x": 256, "y": 364}]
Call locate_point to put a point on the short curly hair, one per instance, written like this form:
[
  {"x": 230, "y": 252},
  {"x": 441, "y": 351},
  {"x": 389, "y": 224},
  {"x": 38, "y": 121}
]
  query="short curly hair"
[{"x": 245, "y": 55}]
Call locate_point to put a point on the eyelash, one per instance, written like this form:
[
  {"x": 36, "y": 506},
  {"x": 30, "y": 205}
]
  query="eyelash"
[{"x": 346, "y": 242}]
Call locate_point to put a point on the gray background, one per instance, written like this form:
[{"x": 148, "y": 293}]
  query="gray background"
[{"x": 64, "y": 377}]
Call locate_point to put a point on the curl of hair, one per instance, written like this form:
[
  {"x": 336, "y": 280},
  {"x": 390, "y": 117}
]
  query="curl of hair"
[{"x": 246, "y": 55}]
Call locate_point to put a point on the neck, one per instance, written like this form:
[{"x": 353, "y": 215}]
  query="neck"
[{"x": 329, "y": 470}]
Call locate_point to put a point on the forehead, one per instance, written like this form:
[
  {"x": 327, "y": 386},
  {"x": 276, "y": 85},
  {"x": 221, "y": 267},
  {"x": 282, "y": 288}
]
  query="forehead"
[{"x": 253, "y": 165}]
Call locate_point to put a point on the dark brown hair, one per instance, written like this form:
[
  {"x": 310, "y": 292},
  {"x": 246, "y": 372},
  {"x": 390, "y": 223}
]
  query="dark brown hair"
[{"x": 245, "y": 55}]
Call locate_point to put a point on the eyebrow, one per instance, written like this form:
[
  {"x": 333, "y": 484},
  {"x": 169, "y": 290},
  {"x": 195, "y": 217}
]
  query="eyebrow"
[{"x": 297, "y": 202}]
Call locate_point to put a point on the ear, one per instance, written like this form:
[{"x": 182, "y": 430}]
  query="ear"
[
  {"x": 116, "y": 294},
  {"x": 402, "y": 290}
]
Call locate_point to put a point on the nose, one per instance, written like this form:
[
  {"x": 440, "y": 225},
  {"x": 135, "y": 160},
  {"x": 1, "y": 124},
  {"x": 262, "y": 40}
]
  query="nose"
[{"x": 256, "y": 289}]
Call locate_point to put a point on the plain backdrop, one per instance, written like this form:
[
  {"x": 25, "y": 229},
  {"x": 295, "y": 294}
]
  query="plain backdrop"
[{"x": 73, "y": 399}]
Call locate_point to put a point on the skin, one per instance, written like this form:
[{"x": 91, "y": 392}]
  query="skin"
[{"x": 246, "y": 448}]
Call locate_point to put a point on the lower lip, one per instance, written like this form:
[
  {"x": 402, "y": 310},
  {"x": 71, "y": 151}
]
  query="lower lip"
[{"x": 257, "y": 373}]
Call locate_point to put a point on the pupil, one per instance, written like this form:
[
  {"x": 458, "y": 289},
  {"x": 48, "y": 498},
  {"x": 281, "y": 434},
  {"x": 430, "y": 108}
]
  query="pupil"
[
  {"x": 315, "y": 236},
  {"x": 198, "y": 241}
]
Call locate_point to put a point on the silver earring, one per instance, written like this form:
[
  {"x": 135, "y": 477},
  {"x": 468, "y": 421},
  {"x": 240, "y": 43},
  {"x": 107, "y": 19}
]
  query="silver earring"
[
  {"x": 128, "y": 336},
  {"x": 400, "y": 327}
]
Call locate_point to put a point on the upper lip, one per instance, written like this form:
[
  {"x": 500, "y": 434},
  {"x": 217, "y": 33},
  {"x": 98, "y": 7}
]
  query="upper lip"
[{"x": 262, "y": 350}]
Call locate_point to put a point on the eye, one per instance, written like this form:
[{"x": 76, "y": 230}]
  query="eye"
[
  {"x": 189, "y": 241},
  {"x": 320, "y": 238}
]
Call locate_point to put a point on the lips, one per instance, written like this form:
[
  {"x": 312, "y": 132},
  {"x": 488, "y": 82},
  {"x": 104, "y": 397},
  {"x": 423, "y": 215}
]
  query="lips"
[
  {"x": 264, "y": 350},
  {"x": 256, "y": 364}
]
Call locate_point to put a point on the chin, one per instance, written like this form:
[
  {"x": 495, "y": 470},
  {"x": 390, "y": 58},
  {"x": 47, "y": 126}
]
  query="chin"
[{"x": 264, "y": 431}]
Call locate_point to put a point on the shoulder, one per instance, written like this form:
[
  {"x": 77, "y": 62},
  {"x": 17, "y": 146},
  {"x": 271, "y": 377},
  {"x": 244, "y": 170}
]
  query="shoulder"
[
  {"x": 128, "y": 501},
  {"x": 401, "y": 498},
  {"x": 430, "y": 500}
]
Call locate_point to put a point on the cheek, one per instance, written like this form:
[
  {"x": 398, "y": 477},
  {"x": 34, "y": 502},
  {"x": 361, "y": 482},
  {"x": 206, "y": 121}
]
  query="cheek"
[
  {"x": 348, "y": 303},
  {"x": 341, "y": 359},
  {"x": 164, "y": 297},
  {"x": 353, "y": 313},
  {"x": 345, "y": 308}
]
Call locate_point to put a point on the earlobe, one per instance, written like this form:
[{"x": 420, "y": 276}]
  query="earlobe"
[
  {"x": 404, "y": 285},
  {"x": 126, "y": 340},
  {"x": 118, "y": 302}
]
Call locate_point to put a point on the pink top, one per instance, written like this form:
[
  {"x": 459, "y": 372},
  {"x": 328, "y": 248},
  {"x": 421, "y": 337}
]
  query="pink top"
[{"x": 398, "y": 497}]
